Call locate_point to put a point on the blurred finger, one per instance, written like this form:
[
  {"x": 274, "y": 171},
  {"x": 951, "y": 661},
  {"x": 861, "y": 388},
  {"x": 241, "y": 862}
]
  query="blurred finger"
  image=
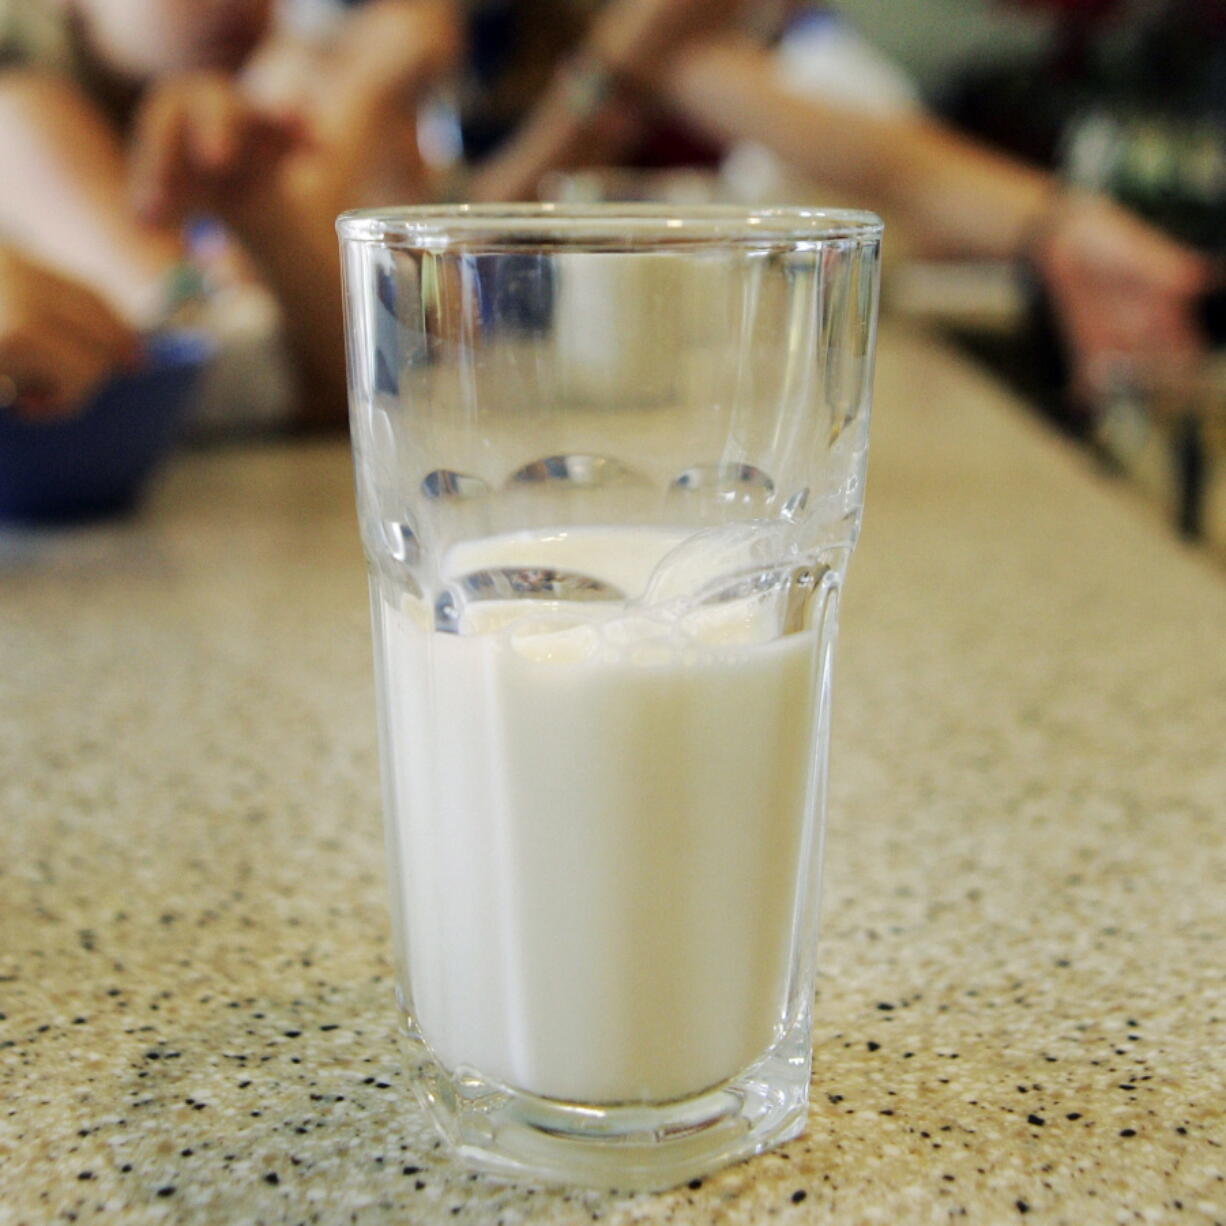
[
  {"x": 159, "y": 150},
  {"x": 41, "y": 403},
  {"x": 57, "y": 376},
  {"x": 82, "y": 312},
  {"x": 216, "y": 126},
  {"x": 78, "y": 371}
]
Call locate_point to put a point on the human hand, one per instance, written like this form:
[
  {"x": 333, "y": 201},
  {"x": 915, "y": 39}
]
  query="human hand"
[
  {"x": 58, "y": 339},
  {"x": 198, "y": 142},
  {"x": 1124, "y": 295}
]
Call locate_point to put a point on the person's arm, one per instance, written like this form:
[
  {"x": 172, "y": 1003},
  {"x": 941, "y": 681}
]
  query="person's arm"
[
  {"x": 1122, "y": 290},
  {"x": 63, "y": 194},
  {"x": 292, "y": 243},
  {"x": 953, "y": 195},
  {"x": 576, "y": 120}
]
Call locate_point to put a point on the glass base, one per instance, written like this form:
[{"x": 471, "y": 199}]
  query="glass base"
[{"x": 636, "y": 1147}]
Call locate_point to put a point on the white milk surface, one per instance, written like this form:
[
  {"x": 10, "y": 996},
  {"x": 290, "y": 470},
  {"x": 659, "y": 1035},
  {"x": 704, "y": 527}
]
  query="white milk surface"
[{"x": 600, "y": 819}]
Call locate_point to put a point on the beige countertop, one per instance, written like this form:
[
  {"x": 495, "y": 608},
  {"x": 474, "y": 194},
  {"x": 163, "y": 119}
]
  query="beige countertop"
[{"x": 1022, "y": 1011}]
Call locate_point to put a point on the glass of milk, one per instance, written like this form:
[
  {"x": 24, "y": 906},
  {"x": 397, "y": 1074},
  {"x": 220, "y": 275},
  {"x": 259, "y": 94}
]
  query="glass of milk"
[{"x": 610, "y": 466}]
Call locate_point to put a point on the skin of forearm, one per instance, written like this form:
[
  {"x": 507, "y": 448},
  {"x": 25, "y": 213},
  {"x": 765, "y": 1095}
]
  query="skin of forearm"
[
  {"x": 952, "y": 195},
  {"x": 295, "y": 251},
  {"x": 549, "y": 139},
  {"x": 959, "y": 198},
  {"x": 636, "y": 37},
  {"x": 63, "y": 195},
  {"x": 552, "y": 138}
]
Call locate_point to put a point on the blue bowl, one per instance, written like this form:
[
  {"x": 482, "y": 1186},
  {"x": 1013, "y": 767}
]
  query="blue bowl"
[{"x": 97, "y": 462}]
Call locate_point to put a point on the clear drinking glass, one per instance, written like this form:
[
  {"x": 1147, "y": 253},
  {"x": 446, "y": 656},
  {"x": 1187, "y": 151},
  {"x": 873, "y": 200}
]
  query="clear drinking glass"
[{"x": 610, "y": 465}]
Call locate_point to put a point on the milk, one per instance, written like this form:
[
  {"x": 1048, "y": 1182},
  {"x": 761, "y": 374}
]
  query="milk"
[{"x": 602, "y": 817}]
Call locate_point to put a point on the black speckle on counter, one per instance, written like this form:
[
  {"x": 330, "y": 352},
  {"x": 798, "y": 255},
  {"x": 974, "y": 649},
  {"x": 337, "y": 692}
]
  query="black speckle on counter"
[
  {"x": 1128, "y": 1132},
  {"x": 798, "y": 1196},
  {"x": 272, "y": 1177},
  {"x": 1037, "y": 1120},
  {"x": 410, "y": 1170},
  {"x": 1022, "y": 1207},
  {"x": 873, "y": 1045},
  {"x": 292, "y": 1034},
  {"x": 1073, "y": 1115},
  {"x": 166, "y": 1191},
  {"x": 694, "y": 1185}
]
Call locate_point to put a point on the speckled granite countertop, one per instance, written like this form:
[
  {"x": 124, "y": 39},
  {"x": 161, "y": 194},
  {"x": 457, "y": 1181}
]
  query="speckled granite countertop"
[{"x": 1023, "y": 1005}]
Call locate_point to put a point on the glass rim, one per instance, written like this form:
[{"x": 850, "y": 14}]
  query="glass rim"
[{"x": 556, "y": 226}]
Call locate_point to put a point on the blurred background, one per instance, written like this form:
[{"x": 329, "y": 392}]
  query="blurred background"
[{"x": 1053, "y": 173}]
